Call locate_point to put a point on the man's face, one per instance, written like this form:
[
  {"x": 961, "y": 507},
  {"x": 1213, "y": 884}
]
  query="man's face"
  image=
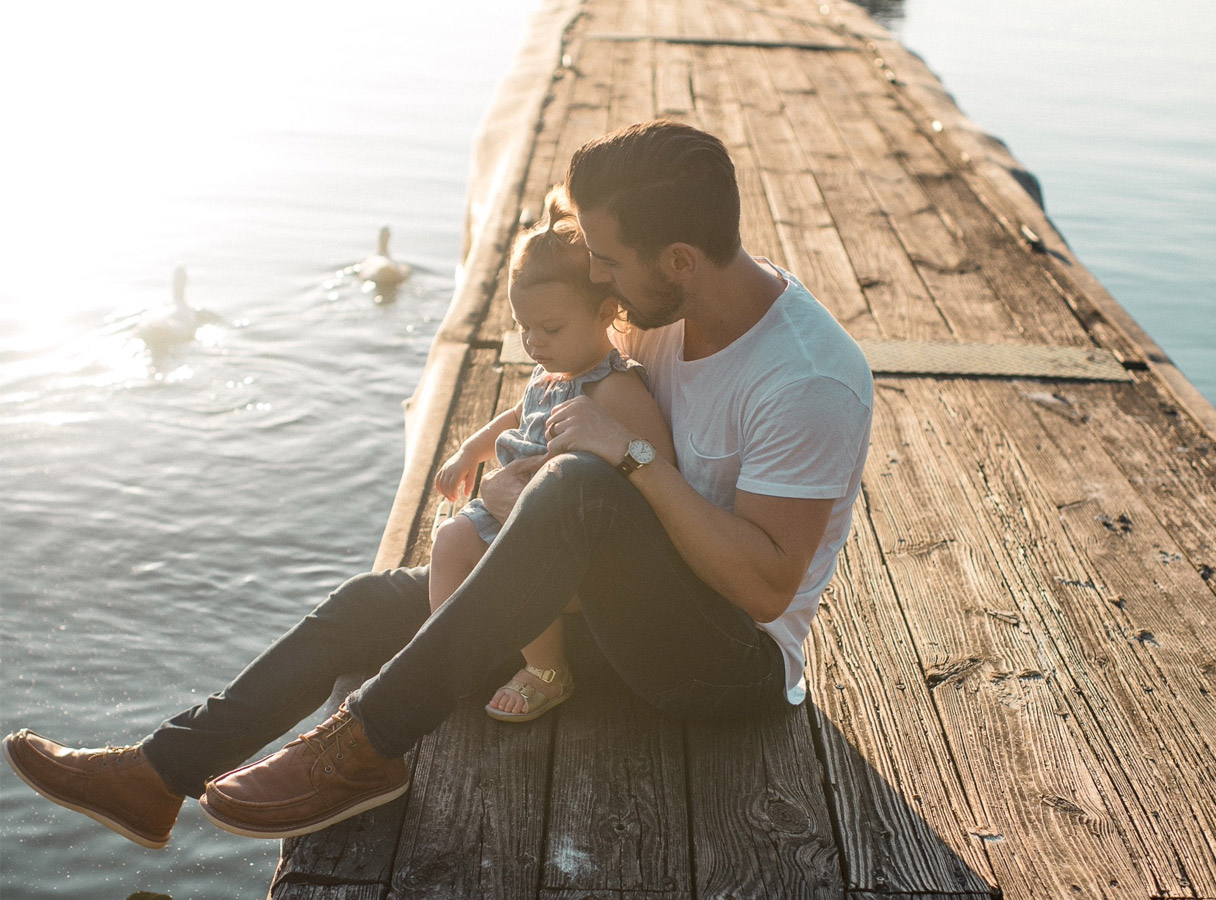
[{"x": 648, "y": 297}]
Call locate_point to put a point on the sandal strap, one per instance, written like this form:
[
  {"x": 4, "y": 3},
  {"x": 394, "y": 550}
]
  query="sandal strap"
[
  {"x": 545, "y": 675},
  {"x": 548, "y": 676},
  {"x": 524, "y": 690}
]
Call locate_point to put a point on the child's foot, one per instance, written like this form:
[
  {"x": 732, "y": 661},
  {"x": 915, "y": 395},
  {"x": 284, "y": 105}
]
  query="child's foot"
[{"x": 531, "y": 694}]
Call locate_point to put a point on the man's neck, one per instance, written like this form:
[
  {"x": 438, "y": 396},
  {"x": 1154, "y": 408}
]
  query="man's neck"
[{"x": 727, "y": 303}]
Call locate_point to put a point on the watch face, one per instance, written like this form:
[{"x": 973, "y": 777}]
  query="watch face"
[{"x": 642, "y": 452}]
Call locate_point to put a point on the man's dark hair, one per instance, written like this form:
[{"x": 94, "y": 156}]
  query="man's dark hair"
[{"x": 663, "y": 182}]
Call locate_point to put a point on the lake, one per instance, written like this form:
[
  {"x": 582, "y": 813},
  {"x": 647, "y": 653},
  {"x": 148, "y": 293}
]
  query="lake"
[{"x": 164, "y": 516}]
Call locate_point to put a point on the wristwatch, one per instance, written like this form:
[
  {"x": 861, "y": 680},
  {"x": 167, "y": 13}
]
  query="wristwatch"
[{"x": 639, "y": 454}]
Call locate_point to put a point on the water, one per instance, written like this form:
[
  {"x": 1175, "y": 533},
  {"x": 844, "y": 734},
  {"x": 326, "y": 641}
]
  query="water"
[{"x": 163, "y": 518}]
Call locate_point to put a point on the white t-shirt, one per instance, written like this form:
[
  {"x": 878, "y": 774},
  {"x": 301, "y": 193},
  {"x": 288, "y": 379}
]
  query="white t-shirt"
[{"x": 782, "y": 411}]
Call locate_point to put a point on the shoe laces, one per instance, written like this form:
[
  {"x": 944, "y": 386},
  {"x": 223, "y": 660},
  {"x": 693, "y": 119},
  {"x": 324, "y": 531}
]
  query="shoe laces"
[
  {"x": 319, "y": 738},
  {"x": 117, "y": 754}
]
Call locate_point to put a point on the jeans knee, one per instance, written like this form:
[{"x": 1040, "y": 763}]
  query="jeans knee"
[
  {"x": 364, "y": 597},
  {"x": 576, "y": 491},
  {"x": 576, "y": 473}
]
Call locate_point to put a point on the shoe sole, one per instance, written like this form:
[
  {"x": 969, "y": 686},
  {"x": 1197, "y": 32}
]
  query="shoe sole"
[
  {"x": 95, "y": 815},
  {"x": 245, "y": 830},
  {"x": 520, "y": 718}
]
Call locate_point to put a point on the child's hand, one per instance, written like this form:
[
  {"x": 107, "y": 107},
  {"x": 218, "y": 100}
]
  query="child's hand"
[{"x": 456, "y": 476}]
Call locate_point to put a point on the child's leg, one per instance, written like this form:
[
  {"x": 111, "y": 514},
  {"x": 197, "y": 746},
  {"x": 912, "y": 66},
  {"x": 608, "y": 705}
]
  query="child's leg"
[
  {"x": 548, "y": 651},
  {"x": 457, "y": 549}
]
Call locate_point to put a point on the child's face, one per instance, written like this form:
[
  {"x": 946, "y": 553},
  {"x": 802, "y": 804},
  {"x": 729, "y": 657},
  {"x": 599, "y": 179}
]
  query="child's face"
[{"x": 561, "y": 331}]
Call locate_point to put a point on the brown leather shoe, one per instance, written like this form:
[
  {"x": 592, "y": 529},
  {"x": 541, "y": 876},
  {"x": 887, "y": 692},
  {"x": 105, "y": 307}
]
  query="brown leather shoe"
[
  {"x": 117, "y": 786},
  {"x": 327, "y": 775}
]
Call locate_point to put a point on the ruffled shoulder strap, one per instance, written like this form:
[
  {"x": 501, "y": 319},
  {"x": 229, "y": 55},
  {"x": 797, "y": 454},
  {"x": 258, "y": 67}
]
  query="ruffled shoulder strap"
[{"x": 615, "y": 361}]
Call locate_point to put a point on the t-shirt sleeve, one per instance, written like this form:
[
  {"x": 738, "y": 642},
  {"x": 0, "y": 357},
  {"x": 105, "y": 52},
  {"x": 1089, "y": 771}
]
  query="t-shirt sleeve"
[{"x": 803, "y": 440}]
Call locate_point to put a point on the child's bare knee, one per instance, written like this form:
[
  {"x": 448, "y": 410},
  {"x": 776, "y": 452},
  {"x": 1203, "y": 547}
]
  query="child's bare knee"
[{"x": 457, "y": 541}]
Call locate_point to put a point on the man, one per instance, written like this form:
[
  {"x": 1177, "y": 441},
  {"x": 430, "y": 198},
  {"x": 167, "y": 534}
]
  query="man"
[{"x": 698, "y": 584}]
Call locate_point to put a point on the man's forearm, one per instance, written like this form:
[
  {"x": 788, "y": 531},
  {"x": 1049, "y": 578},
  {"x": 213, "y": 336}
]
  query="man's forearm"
[{"x": 732, "y": 554}]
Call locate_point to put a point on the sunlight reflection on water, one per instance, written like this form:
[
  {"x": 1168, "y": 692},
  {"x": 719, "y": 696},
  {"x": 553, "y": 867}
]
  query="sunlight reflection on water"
[
  {"x": 172, "y": 500},
  {"x": 164, "y": 518}
]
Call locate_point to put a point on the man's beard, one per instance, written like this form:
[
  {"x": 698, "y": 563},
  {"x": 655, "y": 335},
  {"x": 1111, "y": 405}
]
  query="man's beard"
[{"x": 665, "y": 300}]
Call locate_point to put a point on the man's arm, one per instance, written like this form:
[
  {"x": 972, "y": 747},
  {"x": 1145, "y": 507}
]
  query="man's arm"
[
  {"x": 755, "y": 556},
  {"x": 623, "y": 396}
]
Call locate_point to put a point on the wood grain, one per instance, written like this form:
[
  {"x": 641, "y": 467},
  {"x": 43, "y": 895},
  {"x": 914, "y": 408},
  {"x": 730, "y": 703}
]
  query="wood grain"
[{"x": 1012, "y": 675}]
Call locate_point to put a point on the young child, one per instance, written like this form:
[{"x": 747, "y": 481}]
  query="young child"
[{"x": 564, "y": 319}]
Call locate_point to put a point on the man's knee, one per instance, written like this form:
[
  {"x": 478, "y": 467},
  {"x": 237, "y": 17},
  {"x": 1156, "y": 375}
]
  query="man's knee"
[
  {"x": 577, "y": 472},
  {"x": 577, "y": 488},
  {"x": 374, "y": 595}
]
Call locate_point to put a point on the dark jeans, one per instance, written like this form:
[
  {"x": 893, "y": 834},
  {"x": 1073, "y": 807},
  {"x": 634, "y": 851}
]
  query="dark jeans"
[{"x": 578, "y": 529}]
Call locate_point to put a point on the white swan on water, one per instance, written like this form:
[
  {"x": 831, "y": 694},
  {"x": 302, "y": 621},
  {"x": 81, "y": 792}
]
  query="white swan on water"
[
  {"x": 384, "y": 272},
  {"x": 176, "y": 324}
]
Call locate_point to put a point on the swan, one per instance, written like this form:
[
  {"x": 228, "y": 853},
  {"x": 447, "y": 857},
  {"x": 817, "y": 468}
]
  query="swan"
[
  {"x": 176, "y": 324},
  {"x": 381, "y": 269}
]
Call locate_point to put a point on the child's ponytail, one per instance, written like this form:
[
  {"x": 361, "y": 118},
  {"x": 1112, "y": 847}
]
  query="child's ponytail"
[{"x": 552, "y": 250}]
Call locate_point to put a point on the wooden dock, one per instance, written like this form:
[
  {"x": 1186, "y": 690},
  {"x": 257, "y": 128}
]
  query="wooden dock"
[{"x": 1012, "y": 676}]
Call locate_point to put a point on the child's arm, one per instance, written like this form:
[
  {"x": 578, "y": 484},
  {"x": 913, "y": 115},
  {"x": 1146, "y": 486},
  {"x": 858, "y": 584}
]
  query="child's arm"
[
  {"x": 457, "y": 474},
  {"x": 624, "y": 397}
]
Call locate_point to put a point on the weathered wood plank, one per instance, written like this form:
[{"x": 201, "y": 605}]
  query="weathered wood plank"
[
  {"x": 894, "y": 293},
  {"x": 1053, "y": 821},
  {"x": 1116, "y": 599},
  {"x": 760, "y": 822},
  {"x": 355, "y": 855},
  {"x": 999, "y": 181},
  {"x": 633, "y": 80},
  {"x": 806, "y": 230},
  {"x": 898, "y": 299},
  {"x": 472, "y": 406},
  {"x": 903, "y": 895},
  {"x": 906, "y": 822},
  {"x": 327, "y": 891},
  {"x": 673, "y": 80},
  {"x": 804, "y": 22},
  {"x": 870, "y": 118},
  {"x": 617, "y": 814},
  {"x": 719, "y": 110},
  {"x": 586, "y": 116},
  {"x": 611, "y": 895},
  {"x": 475, "y": 823},
  {"x": 1171, "y": 462},
  {"x": 952, "y": 277},
  {"x": 668, "y": 18}
]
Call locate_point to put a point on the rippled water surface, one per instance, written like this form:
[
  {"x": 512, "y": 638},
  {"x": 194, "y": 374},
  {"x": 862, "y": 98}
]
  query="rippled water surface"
[{"x": 165, "y": 515}]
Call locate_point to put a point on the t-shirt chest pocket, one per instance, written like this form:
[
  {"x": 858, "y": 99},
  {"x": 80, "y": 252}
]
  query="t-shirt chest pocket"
[{"x": 709, "y": 461}]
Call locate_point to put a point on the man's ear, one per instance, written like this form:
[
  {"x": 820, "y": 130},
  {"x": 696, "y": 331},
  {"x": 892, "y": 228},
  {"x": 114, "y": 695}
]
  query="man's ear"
[{"x": 681, "y": 259}]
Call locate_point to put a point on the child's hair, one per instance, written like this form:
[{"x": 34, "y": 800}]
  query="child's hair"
[{"x": 552, "y": 250}]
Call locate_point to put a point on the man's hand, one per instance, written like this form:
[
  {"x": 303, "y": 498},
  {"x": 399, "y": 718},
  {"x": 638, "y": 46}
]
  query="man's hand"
[
  {"x": 500, "y": 488},
  {"x": 582, "y": 424}
]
